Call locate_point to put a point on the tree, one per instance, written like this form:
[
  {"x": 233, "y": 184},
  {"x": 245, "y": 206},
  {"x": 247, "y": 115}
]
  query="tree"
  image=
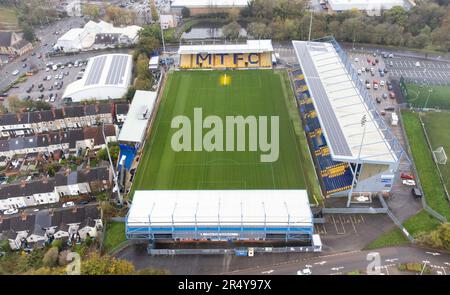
[
  {"x": 91, "y": 10},
  {"x": 28, "y": 32},
  {"x": 438, "y": 238},
  {"x": 258, "y": 30},
  {"x": 231, "y": 31},
  {"x": 106, "y": 265},
  {"x": 14, "y": 104},
  {"x": 185, "y": 12},
  {"x": 119, "y": 16},
  {"x": 51, "y": 257}
]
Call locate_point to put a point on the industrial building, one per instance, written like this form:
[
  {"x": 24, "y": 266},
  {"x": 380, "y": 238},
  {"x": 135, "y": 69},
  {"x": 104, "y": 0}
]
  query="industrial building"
[
  {"x": 354, "y": 151},
  {"x": 367, "y": 5},
  {"x": 253, "y": 54},
  {"x": 107, "y": 76},
  {"x": 197, "y": 7},
  {"x": 220, "y": 215},
  {"x": 97, "y": 35}
]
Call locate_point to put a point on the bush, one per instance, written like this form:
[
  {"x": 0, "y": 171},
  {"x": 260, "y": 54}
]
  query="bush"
[
  {"x": 62, "y": 258},
  {"x": 51, "y": 257},
  {"x": 57, "y": 244}
]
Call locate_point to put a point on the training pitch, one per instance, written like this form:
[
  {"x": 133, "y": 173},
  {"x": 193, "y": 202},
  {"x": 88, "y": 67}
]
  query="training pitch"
[{"x": 247, "y": 93}]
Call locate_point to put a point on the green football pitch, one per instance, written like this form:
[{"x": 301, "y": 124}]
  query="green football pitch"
[{"x": 255, "y": 93}]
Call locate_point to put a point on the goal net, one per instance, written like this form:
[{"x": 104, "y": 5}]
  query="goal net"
[{"x": 440, "y": 156}]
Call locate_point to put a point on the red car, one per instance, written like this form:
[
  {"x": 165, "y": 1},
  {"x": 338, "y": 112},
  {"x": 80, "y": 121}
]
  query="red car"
[{"x": 407, "y": 176}]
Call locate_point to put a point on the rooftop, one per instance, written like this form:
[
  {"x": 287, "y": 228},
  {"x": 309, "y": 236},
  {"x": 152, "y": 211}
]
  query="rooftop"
[
  {"x": 209, "y": 3},
  {"x": 141, "y": 108},
  {"x": 108, "y": 70},
  {"x": 252, "y": 46},
  {"x": 227, "y": 207},
  {"x": 340, "y": 106}
]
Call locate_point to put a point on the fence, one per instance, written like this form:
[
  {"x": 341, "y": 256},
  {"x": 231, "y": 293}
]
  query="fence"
[
  {"x": 238, "y": 252},
  {"x": 441, "y": 178}
]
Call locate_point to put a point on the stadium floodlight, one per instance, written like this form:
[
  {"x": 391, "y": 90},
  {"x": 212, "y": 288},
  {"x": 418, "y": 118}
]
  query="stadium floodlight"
[
  {"x": 440, "y": 156},
  {"x": 363, "y": 124}
]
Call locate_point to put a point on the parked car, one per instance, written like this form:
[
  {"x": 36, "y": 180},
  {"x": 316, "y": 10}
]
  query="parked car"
[
  {"x": 382, "y": 83},
  {"x": 15, "y": 72},
  {"x": 356, "y": 59},
  {"x": 68, "y": 204},
  {"x": 409, "y": 182},
  {"x": 378, "y": 99},
  {"x": 385, "y": 96},
  {"x": 406, "y": 176},
  {"x": 392, "y": 94},
  {"x": 11, "y": 211},
  {"x": 390, "y": 87},
  {"x": 305, "y": 271}
]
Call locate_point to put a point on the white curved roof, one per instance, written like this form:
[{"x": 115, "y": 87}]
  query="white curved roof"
[{"x": 107, "y": 71}]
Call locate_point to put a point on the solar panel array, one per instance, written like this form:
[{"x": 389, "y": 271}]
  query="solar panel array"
[
  {"x": 117, "y": 69},
  {"x": 96, "y": 71}
]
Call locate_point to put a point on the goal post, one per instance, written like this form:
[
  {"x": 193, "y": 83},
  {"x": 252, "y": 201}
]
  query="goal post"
[{"x": 440, "y": 156}]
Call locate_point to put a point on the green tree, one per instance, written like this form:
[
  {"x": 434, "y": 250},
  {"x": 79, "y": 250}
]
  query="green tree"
[
  {"x": 231, "y": 31},
  {"x": 106, "y": 265},
  {"x": 185, "y": 12},
  {"x": 51, "y": 257},
  {"x": 91, "y": 10},
  {"x": 258, "y": 30},
  {"x": 28, "y": 32}
]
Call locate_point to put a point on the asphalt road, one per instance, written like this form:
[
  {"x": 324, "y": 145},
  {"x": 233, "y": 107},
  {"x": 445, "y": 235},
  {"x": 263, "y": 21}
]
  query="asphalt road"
[{"x": 342, "y": 263}]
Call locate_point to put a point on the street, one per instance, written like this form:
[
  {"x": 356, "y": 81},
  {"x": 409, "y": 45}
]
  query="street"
[{"x": 341, "y": 263}]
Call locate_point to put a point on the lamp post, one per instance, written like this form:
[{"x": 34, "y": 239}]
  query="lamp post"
[
  {"x": 116, "y": 186},
  {"x": 363, "y": 124}
]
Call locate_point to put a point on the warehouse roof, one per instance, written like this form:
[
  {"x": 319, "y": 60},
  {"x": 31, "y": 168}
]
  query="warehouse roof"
[
  {"x": 209, "y": 3},
  {"x": 340, "y": 106},
  {"x": 141, "y": 108},
  {"x": 227, "y": 207},
  {"x": 368, "y": 5},
  {"x": 252, "y": 46},
  {"x": 108, "y": 70}
]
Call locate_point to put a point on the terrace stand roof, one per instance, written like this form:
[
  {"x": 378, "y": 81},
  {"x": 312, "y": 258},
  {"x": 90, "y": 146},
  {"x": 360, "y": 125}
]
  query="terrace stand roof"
[
  {"x": 135, "y": 125},
  {"x": 224, "y": 207},
  {"x": 341, "y": 107},
  {"x": 252, "y": 46}
]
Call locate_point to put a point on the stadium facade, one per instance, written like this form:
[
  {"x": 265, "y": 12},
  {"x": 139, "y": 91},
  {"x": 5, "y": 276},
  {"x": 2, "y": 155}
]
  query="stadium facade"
[
  {"x": 253, "y": 54},
  {"x": 220, "y": 215},
  {"x": 354, "y": 151}
]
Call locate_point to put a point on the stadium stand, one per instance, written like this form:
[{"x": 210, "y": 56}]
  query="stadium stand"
[{"x": 335, "y": 176}]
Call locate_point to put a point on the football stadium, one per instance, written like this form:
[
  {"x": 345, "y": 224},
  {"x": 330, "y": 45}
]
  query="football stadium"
[{"x": 330, "y": 139}]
